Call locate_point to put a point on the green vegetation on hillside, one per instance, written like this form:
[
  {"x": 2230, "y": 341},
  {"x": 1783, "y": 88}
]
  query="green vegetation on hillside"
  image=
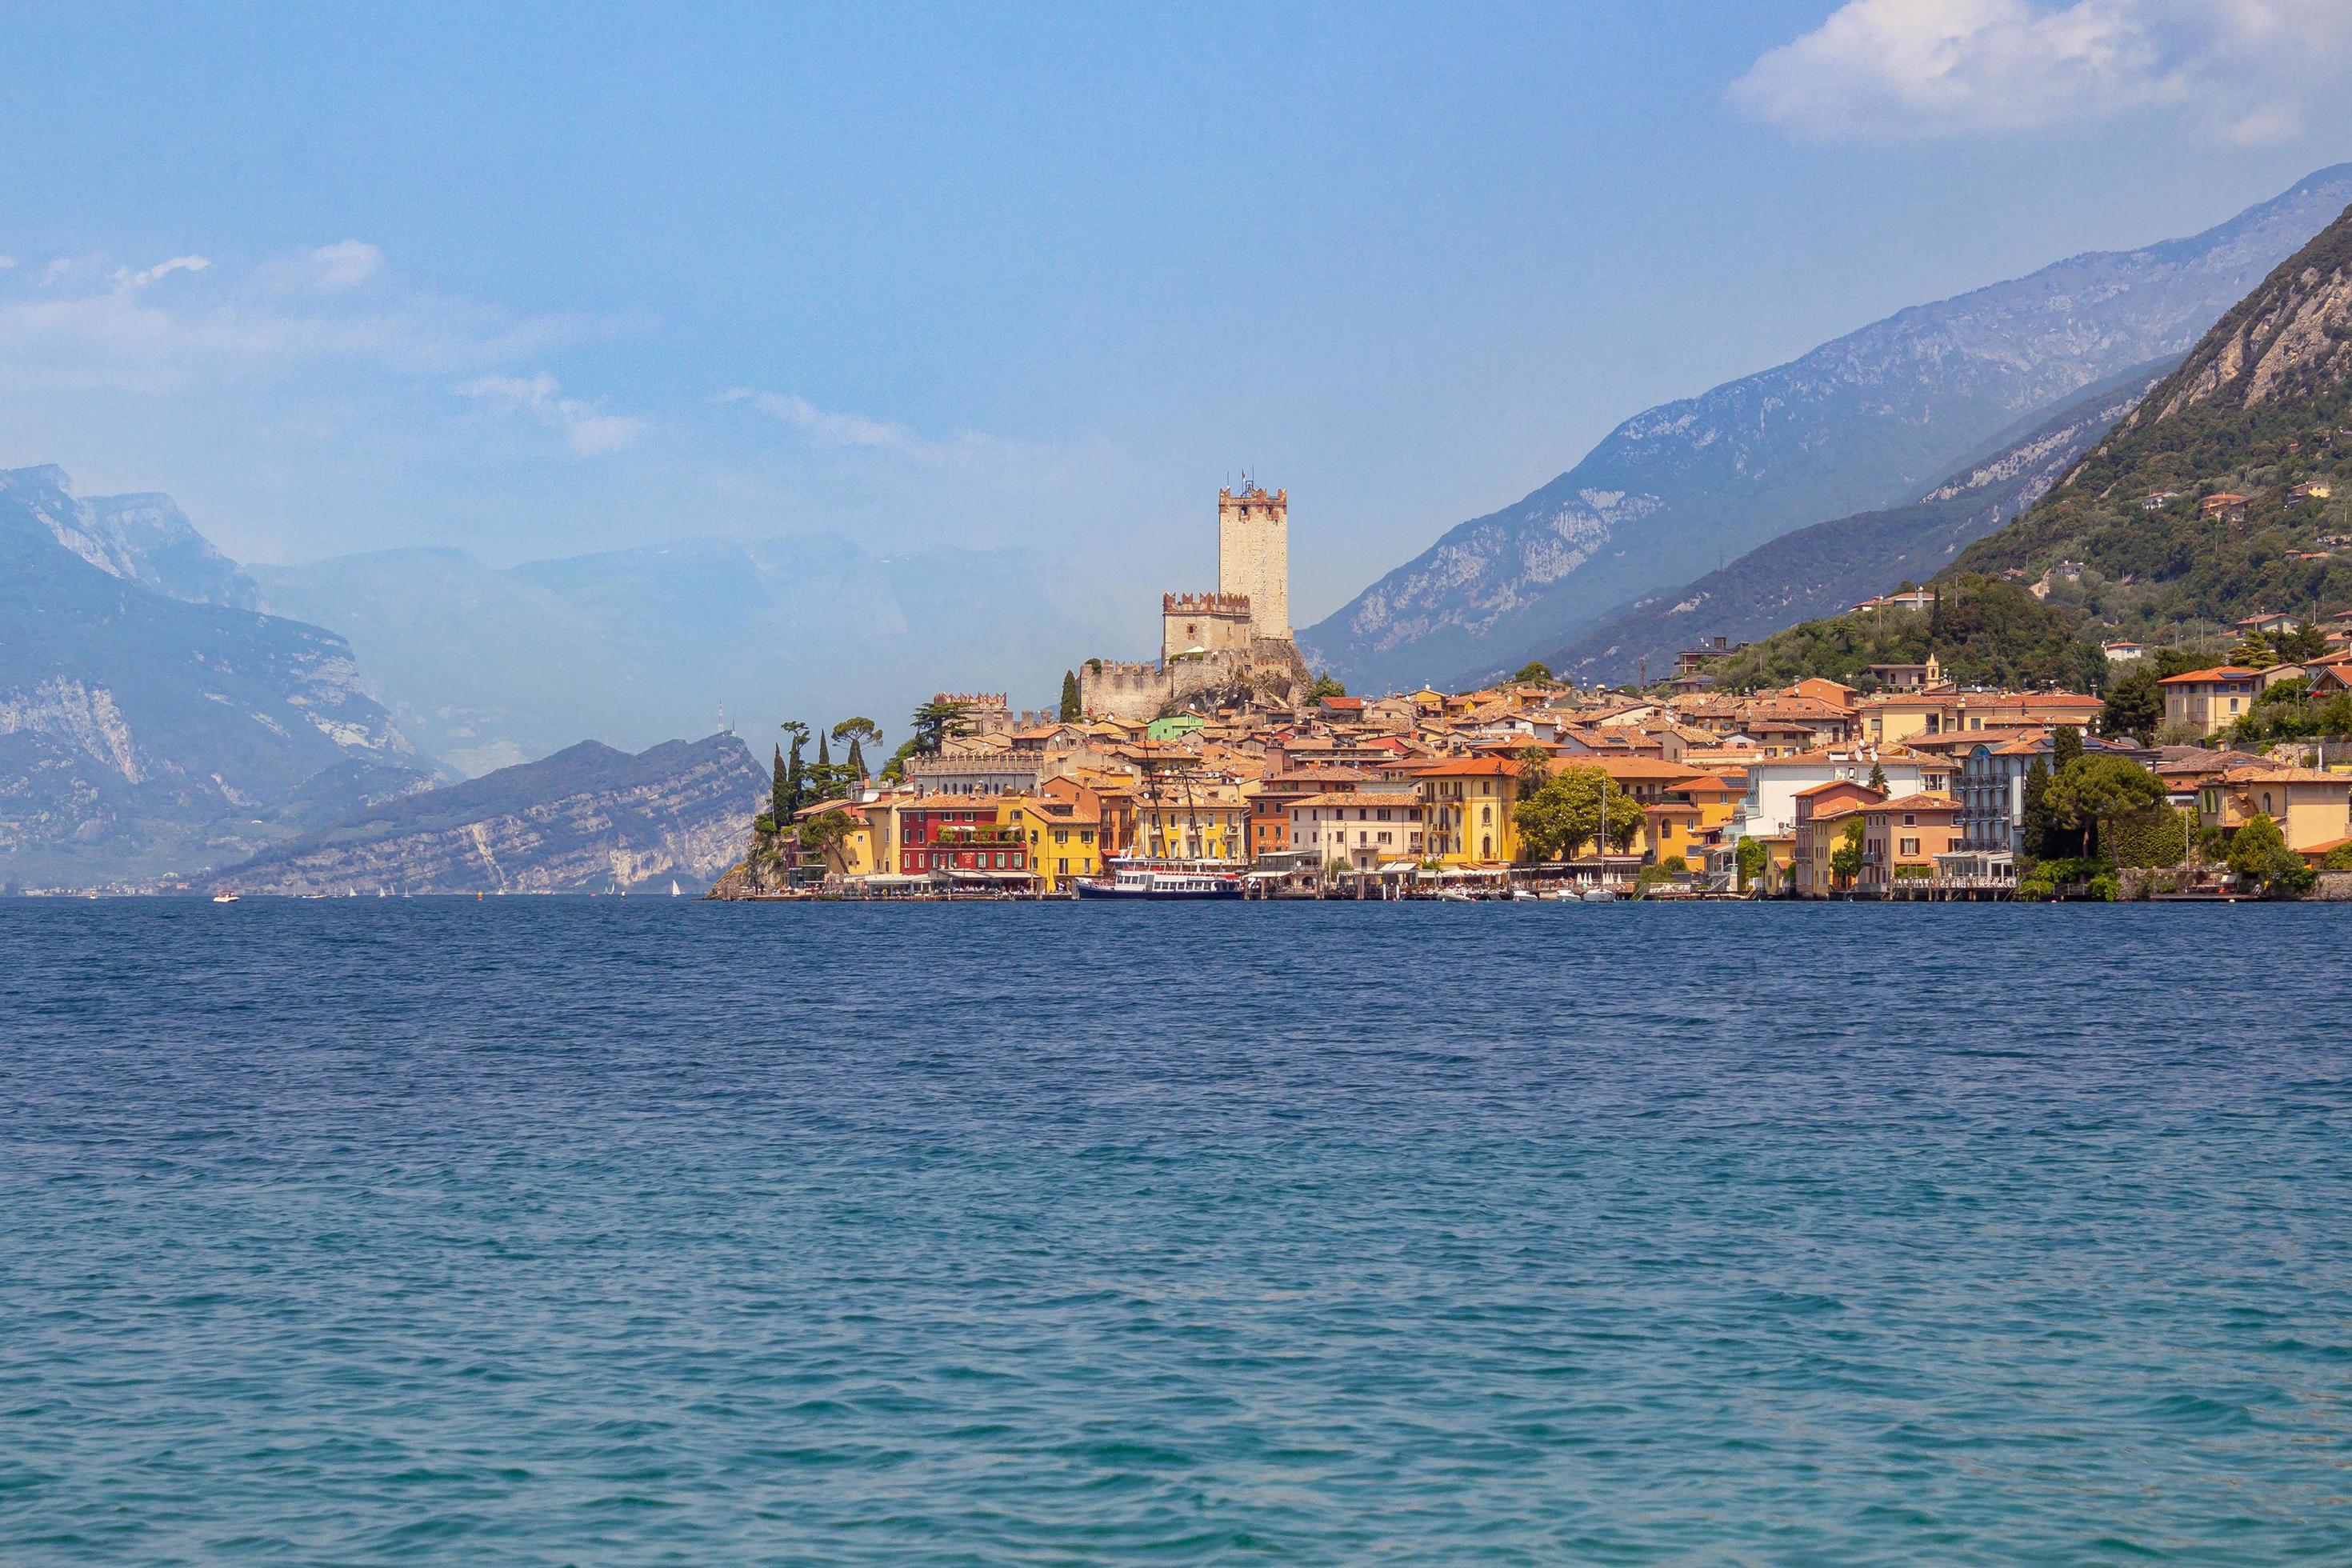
[{"x": 1982, "y": 630}]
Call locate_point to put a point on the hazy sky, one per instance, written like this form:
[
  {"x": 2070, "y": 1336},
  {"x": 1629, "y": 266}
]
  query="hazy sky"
[{"x": 542, "y": 280}]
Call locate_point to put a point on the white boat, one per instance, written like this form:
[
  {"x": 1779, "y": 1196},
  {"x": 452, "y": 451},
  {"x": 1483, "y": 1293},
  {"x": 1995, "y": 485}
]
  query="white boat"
[
  {"x": 673, "y": 890},
  {"x": 1525, "y": 896},
  {"x": 224, "y": 898},
  {"x": 1160, "y": 879},
  {"x": 1599, "y": 895}
]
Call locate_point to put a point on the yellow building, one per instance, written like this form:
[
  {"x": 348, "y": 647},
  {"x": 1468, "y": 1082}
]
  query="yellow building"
[
  {"x": 2311, "y": 807},
  {"x": 853, "y": 855},
  {"x": 1471, "y": 802},
  {"x": 1063, "y": 837},
  {"x": 1192, "y": 819}
]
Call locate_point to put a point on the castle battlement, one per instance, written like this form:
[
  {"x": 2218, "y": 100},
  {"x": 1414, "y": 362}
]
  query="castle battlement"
[
  {"x": 1205, "y": 604},
  {"x": 975, "y": 699},
  {"x": 1253, "y": 495}
]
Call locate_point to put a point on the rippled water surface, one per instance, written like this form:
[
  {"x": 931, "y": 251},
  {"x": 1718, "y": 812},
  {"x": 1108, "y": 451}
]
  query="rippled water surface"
[{"x": 550, "y": 1232}]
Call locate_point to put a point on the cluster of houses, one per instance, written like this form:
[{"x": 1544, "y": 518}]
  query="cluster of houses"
[{"x": 1404, "y": 793}]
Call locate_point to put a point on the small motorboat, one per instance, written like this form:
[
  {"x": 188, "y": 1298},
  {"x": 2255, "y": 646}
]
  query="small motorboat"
[
  {"x": 223, "y": 897},
  {"x": 1599, "y": 895}
]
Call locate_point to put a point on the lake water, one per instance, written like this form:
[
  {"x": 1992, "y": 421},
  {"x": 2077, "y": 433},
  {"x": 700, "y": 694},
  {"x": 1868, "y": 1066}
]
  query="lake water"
[{"x": 540, "y": 1231}]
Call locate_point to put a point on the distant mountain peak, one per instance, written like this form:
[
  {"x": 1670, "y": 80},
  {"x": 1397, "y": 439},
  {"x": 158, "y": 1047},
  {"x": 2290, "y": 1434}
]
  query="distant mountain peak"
[{"x": 142, "y": 538}]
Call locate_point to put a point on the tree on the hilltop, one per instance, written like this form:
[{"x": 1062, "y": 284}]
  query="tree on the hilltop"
[
  {"x": 2307, "y": 641},
  {"x": 1069, "y": 710},
  {"x": 1845, "y": 861},
  {"x": 779, "y": 793},
  {"x": 2135, "y": 705},
  {"x": 795, "y": 770},
  {"x": 938, "y": 721},
  {"x": 2251, "y": 650},
  {"x": 856, "y": 732},
  {"x": 823, "y": 783},
  {"x": 1325, "y": 686},
  {"x": 855, "y": 766},
  {"x": 2092, "y": 790},
  {"x": 1535, "y": 670}
]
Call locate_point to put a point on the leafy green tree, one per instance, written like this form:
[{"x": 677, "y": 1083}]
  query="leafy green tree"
[
  {"x": 2258, "y": 853},
  {"x": 820, "y": 834},
  {"x": 780, "y": 796},
  {"x": 2092, "y": 790},
  {"x": 1565, "y": 812},
  {"x": 1751, "y": 858},
  {"x": 2337, "y": 859},
  {"x": 2305, "y": 641},
  {"x": 2135, "y": 705},
  {"x": 2334, "y": 716},
  {"x": 1845, "y": 861},
  {"x": 855, "y": 767},
  {"x": 2065, "y": 747},
  {"x": 1877, "y": 778},
  {"x": 1325, "y": 686},
  {"x": 1535, "y": 670},
  {"x": 938, "y": 721},
  {"x": 1069, "y": 710}
]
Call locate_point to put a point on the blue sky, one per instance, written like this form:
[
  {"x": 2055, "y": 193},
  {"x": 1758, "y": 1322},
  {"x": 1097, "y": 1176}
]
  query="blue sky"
[{"x": 540, "y": 279}]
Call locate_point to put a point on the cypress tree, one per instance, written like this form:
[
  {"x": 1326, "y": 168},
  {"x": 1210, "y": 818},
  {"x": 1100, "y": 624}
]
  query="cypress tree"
[
  {"x": 821, "y": 780},
  {"x": 2033, "y": 830},
  {"x": 1069, "y": 695},
  {"x": 856, "y": 765},
  {"x": 779, "y": 791},
  {"x": 2065, "y": 747}
]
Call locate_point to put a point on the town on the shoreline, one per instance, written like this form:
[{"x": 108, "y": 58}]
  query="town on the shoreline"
[{"x": 1224, "y": 755}]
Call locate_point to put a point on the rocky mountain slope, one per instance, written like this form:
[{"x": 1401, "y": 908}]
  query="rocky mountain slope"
[
  {"x": 1820, "y": 570},
  {"x": 488, "y": 667},
  {"x": 587, "y": 819},
  {"x": 148, "y": 725},
  {"x": 2259, "y": 415},
  {"x": 1863, "y": 422},
  {"x": 2261, "y": 409}
]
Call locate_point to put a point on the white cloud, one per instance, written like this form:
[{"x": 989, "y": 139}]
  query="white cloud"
[
  {"x": 1939, "y": 68},
  {"x": 130, "y": 280},
  {"x": 346, "y": 264},
  {"x": 824, "y": 427},
  {"x": 85, "y": 323},
  {"x": 589, "y": 432}
]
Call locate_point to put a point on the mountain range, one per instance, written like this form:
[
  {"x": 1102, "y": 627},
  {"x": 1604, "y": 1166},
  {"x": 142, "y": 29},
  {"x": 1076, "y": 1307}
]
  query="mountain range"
[
  {"x": 588, "y": 819},
  {"x": 1866, "y": 422},
  {"x": 149, "y": 719},
  {"x": 2225, "y": 493},
  {"x": 1820, "y": 570}
]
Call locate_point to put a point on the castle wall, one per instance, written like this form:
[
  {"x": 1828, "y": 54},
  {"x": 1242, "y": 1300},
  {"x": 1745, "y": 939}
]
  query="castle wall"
[
  {"x": 1219, "y": 623},
  {"x": 1114, "y": 689}
]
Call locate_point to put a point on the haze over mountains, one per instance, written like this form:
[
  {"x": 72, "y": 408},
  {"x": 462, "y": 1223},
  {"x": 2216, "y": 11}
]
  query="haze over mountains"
[
  {"x": 149, "y": 722},
  {"x": 1868, "y": 421},
  {"x": 489, "y": 667}
]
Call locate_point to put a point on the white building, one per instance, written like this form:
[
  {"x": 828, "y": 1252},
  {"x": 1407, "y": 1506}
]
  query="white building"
[
  {"x": 1366, "y": 830},
  {"x": 1769, "y": 807}
]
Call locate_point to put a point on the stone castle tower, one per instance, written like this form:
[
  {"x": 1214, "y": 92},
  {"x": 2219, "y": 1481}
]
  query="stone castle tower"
[{"x": 1254, "y": 556}]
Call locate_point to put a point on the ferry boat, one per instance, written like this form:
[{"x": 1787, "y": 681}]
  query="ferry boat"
[{"x": 1160, "y": 879}]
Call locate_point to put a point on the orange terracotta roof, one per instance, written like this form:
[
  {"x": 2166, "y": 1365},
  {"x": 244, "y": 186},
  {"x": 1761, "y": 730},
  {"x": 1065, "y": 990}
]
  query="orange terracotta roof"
[{"x": 2219, "y": 672}]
